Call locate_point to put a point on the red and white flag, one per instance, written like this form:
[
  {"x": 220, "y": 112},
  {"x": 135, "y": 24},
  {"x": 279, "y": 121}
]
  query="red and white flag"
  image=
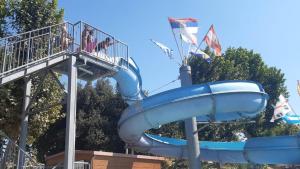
[{"x": 212, "y": 41}]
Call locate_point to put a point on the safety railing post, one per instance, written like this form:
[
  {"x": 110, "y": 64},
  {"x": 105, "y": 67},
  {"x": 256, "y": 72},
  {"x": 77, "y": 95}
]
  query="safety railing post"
[
  {"x": 28, "y": 48},
  {"x": 73, "y": 37},
  {"x": 97, "y": 49},
  {"x": 49, "y": 42},
  {"x": 80, "y": 37},
  {"x": 4, "y": 58},
  {"x": 18, "y": 54},
  {"x": 9, "y": 57},
  {"x": 114, "y": 50},
  {"x": 127, "y": 57}
]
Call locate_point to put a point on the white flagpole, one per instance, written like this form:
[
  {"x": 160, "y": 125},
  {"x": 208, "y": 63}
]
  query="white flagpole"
[
  {"x": 203, "y": 39},
  {"x": 177, "y": 44},
  {"x": 298, "y": 87},
  {"x": 180, "y": 29}
]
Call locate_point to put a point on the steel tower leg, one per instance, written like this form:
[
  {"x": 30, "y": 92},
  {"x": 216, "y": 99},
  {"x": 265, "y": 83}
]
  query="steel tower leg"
[
  {"x": 190, "y": 124},
  {"x": 71, "y": 115},
  {"x": 24, "y": 123}
]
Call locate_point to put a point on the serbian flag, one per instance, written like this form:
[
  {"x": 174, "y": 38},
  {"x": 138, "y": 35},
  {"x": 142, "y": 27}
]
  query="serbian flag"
[
  {"x": 187, "y": 28},
  {"x": 212, "y": 41}
]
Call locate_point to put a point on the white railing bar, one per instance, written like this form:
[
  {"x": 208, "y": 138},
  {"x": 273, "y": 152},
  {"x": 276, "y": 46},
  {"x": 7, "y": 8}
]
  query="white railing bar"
[{"x": 35, "y": 30}]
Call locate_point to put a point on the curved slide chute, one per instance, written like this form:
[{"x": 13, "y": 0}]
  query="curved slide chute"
[{"x": 218, "y": 101}]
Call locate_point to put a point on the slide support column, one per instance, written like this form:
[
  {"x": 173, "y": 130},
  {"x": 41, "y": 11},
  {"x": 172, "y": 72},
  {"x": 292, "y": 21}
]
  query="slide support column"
[
  {"x": 190, "y": 124},
  {"x": 24, "y": 123},
  {"x": 69, "y": 156}
]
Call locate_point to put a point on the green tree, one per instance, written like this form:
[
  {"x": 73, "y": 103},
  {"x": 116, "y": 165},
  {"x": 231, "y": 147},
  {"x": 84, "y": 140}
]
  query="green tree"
[
  {"x": 243, "y": 64},
  {"x": 22, "y": 16},
  {"x": 33, "y": 14},
  {"x": 4, "y": 15},
  {"x": 98, "y": 111}
]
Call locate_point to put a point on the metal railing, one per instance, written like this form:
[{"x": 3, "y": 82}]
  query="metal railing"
[
  {"x": 99, "y": 44},
  {"x": 25, "y": 49},
  {"x": 77, "y": 165},
  {"x": 9, "y": 153},
  {"x": 28, "y": 48}
]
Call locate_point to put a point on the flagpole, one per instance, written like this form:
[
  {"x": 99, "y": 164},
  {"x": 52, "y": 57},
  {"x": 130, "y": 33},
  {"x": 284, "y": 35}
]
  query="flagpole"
[
  {"x": 298, "y": 91},
  {"x": 203, "y": 38},
  {"x": 177, "y": 44},
  {"x": 199, "y": 45},
  {"x": 298, "y": 87},
  {"x": 181, "y": 40},
  {"x": 181, "y": 44}
]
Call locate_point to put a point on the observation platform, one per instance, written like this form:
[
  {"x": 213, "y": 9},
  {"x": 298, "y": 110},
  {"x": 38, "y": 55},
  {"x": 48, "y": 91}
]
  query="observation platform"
[{"x": 50, "y": 47}]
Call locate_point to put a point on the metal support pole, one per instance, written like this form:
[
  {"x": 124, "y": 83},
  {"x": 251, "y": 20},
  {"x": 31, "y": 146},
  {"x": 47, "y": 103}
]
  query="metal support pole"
[
  {"x": 71, "y": 115},
  {"x": 126, "y": 149},
  {"x": 190, "y": 124},
  {"x": 24, "y": 123}
]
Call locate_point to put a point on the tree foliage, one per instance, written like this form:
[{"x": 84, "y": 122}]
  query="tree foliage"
[
  {"x": 243, "y": 64},
  {"x": 33, "y": 14},
  {"x": 98, "y": 110},
  {"x": 4, "y": 16},
  {"x": 21, "y": 16}
]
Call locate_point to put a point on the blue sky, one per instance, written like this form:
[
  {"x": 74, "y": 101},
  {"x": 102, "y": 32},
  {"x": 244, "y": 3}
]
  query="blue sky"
[{"x": 269, "y": 27}]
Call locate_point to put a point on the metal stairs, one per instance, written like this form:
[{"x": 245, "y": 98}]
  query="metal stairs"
[{"x": 49, "y": 47}]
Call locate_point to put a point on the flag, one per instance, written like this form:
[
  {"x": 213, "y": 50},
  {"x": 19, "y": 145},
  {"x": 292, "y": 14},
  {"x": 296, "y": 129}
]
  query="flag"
[
  {"x": 190, "y": 23},
  {"x": 281, "y": 108},
  {"x": 298, "y": 87},
  {"x": 212, "y": 41},
  {"x": 201, "y": 54},
  {"x": 165, "y": 49},
  {"x": 187, "y": 36},
  {"x": 241, "y": 136},
  {"x": 187, "y": 28}
]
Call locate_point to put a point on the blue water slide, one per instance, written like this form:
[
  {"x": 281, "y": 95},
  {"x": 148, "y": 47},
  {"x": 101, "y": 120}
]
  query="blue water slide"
[{"x": 218, "y": 101}]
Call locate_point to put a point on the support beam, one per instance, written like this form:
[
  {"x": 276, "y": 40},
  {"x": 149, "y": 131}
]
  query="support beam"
[
  {"x": 24, "y": 123},
  {"x": 126, "y": 149},
  {"x": 58, "y": 81},
  {"x": 71, "y": 115},
  {"x": 190, "y": 124}
]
